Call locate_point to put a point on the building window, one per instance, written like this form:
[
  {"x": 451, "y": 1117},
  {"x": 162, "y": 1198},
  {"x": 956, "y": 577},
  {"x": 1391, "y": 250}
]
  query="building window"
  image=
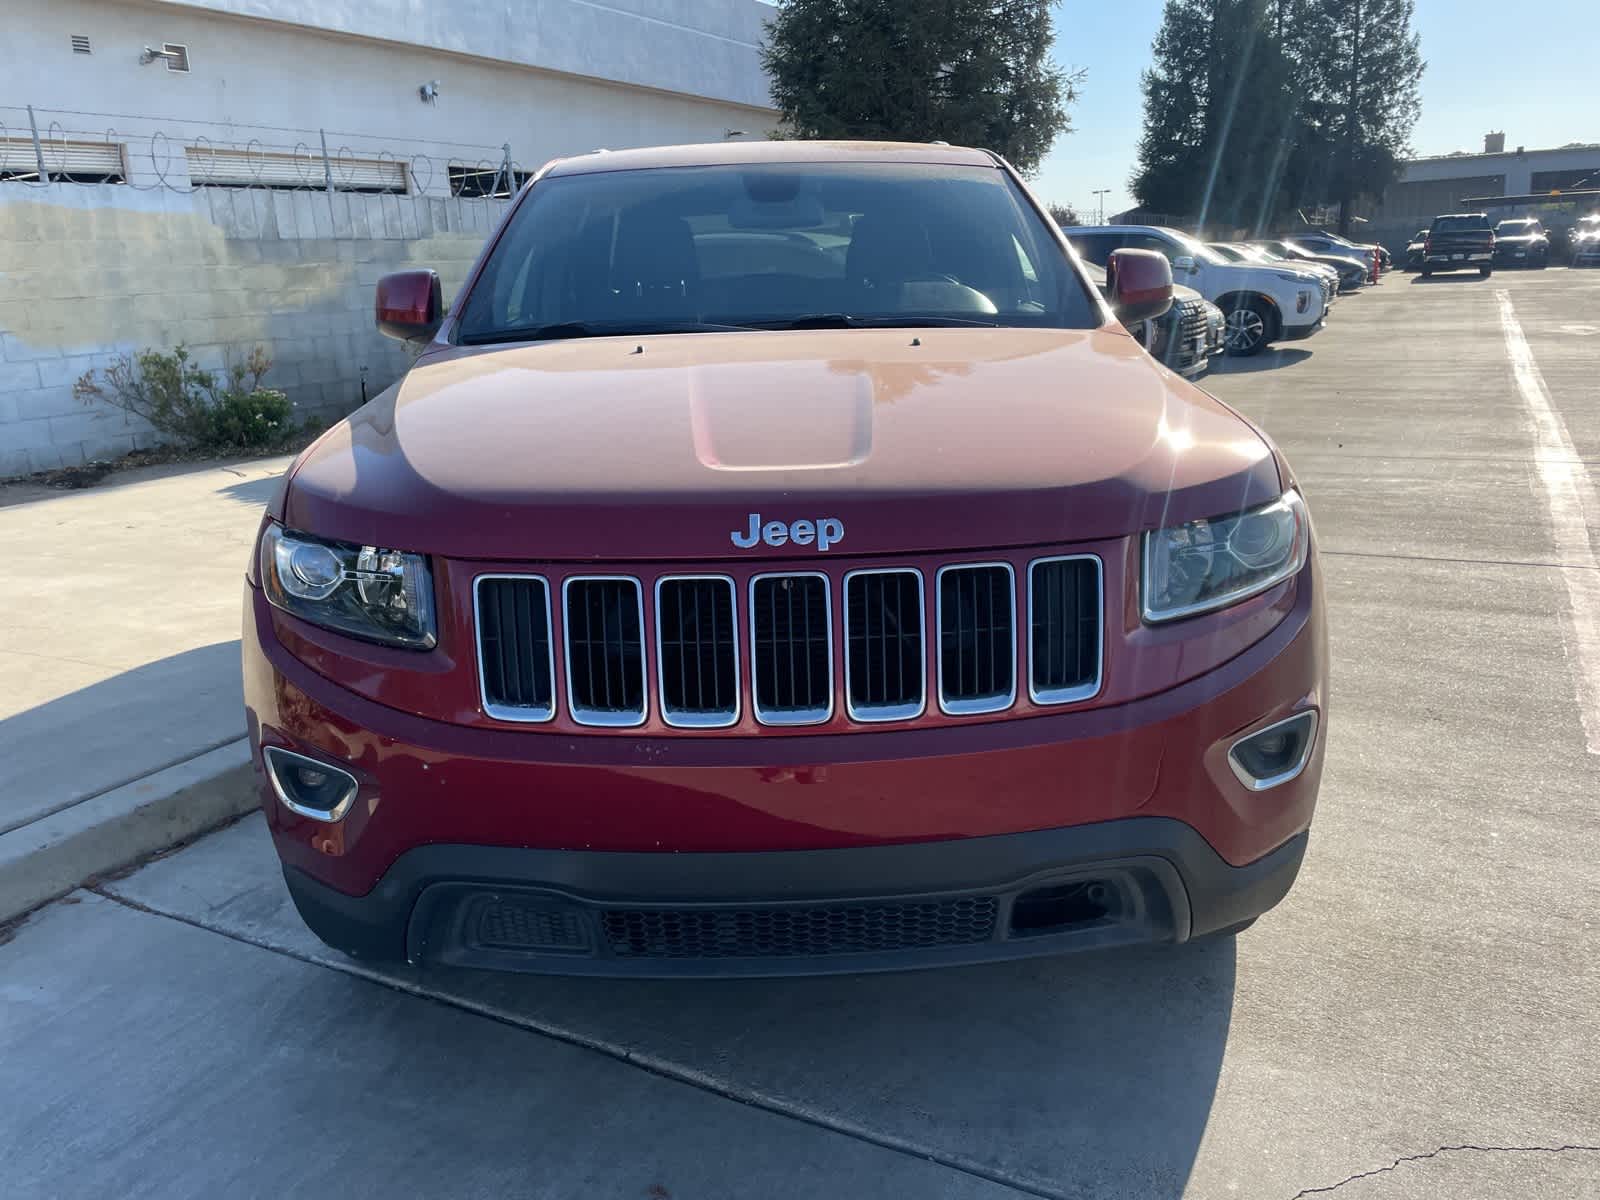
[
  {"x": 64, "y": 161},
  {"x": 486, "y": 182},
  {"x": 211, "y": 166},
  {"x": 1561, "y": 181}
]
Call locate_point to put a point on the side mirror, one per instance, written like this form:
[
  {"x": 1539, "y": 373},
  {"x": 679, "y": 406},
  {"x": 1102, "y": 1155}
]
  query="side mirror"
[
  {"x": 1184, "y": 263},
  {"x": 1139, "y": 283},
  {"x": 410, "y": 306}
]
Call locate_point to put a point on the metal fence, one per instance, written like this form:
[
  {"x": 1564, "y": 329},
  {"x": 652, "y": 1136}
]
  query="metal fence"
[{"x": 44, "y": 148}]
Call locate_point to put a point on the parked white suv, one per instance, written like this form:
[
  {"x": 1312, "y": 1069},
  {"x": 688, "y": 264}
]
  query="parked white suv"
[{"x": 1263, "y": 304}]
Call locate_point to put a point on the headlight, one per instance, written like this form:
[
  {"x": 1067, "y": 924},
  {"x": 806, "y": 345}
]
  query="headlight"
[
  {"x": 380, "y": 595},
  {"x": 1212, "y": 563}
]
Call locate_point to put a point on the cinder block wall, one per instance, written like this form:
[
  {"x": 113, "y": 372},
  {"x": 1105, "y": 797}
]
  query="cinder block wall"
[{"x": 91, "y": 271}]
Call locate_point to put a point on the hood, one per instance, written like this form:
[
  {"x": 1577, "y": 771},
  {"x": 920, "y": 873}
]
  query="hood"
[{"x": 664, "y": 447}]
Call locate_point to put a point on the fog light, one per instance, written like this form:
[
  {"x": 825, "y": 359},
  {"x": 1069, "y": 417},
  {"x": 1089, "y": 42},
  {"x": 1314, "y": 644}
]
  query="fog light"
[
  {"x": 306, "y": 786},
  {"x": 1275, "y": 754}
]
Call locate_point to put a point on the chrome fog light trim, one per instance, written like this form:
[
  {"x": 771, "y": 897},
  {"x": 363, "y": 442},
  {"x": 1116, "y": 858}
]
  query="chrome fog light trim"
[
  {"x": 283, "y": 768},
  {"x": 1301, "y": 728}
]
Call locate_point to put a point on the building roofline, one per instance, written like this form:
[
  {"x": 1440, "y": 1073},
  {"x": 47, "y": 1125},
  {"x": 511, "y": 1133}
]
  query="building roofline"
[{"x": 1523, "y": 153}]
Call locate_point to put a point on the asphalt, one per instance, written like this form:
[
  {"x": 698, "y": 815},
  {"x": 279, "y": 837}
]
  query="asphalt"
[{"x": 1417, "y": 1020}]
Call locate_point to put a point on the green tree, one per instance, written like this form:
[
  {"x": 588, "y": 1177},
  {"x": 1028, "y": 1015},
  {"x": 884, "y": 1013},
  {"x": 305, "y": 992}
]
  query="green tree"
[
  {"x": 1222, "y": 123},
  {"x": 1365, "y": 95},
  {"x": 969, "y": 72},
  {"x": 1254, "y": 108},
  {"x": 1171, "y": 168}
]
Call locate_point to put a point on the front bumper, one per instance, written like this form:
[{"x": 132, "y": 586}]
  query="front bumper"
[
  {"x": 799, "y": 912},
  {"x": 1295, "y": 333},
  {"x": 860, "y": 829}
]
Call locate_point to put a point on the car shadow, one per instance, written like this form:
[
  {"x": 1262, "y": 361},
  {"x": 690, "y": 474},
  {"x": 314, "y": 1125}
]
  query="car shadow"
[
  {"x": 1090, "y": 1074},
  {"x": 1269, "y": 359},
  {"x": 1452, "y": 277},
  {"x": 116, "y": 730}
]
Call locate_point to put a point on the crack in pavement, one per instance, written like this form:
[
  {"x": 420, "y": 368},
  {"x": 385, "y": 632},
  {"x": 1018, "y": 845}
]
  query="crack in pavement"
[{"x": 1411, "y": 1158}]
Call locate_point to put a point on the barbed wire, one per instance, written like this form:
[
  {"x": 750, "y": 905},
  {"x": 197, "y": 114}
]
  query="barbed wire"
[
  {"x": 42, "y": 150},
  {"x": 22, "y": 110}
]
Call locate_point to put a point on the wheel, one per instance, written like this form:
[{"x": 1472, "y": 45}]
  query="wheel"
[
  {"x": 1427, "y": 272},
  {"x": 1485, "y": 272},
  {"x": 1249, "y": 328}
]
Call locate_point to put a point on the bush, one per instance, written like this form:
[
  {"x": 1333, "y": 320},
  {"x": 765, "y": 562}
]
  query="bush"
[{"x": 227, "y": 410}]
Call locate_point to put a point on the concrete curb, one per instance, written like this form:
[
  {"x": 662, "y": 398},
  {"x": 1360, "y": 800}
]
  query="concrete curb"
[{"x": 50, "y": 857}]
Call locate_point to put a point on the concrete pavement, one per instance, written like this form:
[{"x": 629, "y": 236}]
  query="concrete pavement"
[
  {"x": 1433, "y": 981},
  {"x": 119, "y": 668}
]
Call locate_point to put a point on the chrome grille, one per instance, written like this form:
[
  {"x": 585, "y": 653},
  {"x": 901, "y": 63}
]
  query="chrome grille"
[
  {"x": 977, "y": 638},
  {"x": 604, "y": 617},
  {"x": 695, "y": 666},
  {"x": 1064, "y": 629},
  {"x": 791, "y": 643},
  {"x": 697, "y": 651},
  {"x": 885, "y": 666},
  {"x": 515, "y": 668}
]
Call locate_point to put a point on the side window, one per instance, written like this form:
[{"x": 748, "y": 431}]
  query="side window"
[
  {"x": 1095, "y": 247},
  {"x": 1147, "y": 241}
]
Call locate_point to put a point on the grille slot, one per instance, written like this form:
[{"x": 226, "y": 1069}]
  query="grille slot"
[
  {"x": 791, "y": 642},
  {"x": 977, "y": 638},
  {"x": 697, "y": 651},
  {"x": 885, "y": 667},
  {"x": 516, "y": 670},
  {"x": 1064, "y": 629},
  {"x": 604, "y": 617},
  {"x": 799, "y": 931}
]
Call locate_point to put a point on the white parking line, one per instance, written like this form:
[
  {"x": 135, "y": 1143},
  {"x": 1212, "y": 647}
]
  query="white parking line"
[{"x": 1569, "y": 495}]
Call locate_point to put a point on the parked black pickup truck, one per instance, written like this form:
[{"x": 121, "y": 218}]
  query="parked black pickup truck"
[{"x": 1459, "y": 242}]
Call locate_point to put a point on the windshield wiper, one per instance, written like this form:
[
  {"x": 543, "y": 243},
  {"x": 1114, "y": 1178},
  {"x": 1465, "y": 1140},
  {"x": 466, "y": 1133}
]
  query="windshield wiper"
[
  {"x": 585, "y": 329},
  {"x": 848, "y": 321}
]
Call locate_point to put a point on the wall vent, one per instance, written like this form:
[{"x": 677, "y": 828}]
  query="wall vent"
[
  {"x": 177, "y": 56},
  {"x": 80, "y": 44}
]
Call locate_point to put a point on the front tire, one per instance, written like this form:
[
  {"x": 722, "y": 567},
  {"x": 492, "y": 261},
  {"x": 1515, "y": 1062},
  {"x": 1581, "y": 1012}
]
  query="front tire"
[{"x": 1249, "y": 328}]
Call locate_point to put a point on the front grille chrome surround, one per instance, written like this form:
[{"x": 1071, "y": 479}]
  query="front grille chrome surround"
[
  {"x": 528, "y": 642},
  {"x": 806, "y": 715},
  {"x": 623, "y": 716},
  {"x": 703, "y": 662},
  {"x": 996, "y": 700},
  {"x": 715, "y": 716},
  {"x": 868, "y": 712},
  {"x": 1077, "y": 692}
]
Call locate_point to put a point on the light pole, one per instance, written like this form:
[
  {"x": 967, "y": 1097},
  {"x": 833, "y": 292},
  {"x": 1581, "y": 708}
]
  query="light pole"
[{"x": 1100, "y": 218}]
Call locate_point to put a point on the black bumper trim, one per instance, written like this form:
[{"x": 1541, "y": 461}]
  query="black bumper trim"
[{"x": 1172, "y": 886}]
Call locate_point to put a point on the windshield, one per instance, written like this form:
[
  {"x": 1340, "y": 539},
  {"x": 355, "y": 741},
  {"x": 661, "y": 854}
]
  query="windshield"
[
  {"x": 1227, "y": 252},
  {"x": 1197, "y": 249},
  {"x": 689, "y": 248},
  {"x": 1460, "y": 224},
  {"x": 1256, "y": 254},
  {"x": 1515, "y": 228}
]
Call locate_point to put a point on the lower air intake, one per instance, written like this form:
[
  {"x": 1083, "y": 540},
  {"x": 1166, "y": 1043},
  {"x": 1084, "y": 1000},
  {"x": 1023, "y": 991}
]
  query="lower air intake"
[{"x": 798, "y": 932}]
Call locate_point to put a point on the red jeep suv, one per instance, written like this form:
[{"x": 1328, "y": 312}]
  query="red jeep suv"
[{"x": 780, "y": 559}]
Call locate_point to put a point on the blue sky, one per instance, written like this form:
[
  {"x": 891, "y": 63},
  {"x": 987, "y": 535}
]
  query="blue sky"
[{"x": 1539, "y": 83}]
